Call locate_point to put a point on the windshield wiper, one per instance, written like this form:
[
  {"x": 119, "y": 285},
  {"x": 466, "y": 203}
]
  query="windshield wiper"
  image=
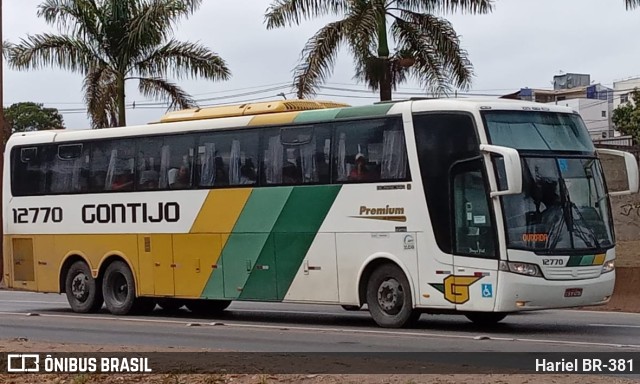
[
  {"x": 569, "y": 206},
  {"x": 586, "y": 226}
]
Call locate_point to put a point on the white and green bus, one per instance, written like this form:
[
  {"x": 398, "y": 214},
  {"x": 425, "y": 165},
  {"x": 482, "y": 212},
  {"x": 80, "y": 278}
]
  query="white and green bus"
[{"x": 481, "y": 208}]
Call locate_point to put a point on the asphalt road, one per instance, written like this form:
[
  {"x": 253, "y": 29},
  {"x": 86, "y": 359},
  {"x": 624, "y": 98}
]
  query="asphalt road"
[{"x": 315, "y": 328}]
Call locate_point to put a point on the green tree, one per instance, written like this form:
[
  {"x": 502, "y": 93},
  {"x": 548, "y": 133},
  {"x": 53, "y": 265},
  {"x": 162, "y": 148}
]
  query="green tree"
[
  {"x": 627, "y": 116},
  {"x": 28, "y": 116},
  {"x": 112, "y": 41},
  {"x": 428, "y": 48}
]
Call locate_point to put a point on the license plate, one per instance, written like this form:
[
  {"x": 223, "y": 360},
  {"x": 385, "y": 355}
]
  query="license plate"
[{"x": 573, "y": 292}]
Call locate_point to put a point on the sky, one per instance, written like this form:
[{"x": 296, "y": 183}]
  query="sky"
[{"x": 522, "y": 43}]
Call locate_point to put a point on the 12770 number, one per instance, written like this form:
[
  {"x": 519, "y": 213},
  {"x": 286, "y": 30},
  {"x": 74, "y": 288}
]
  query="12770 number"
[{"x": 37, "y": 215}]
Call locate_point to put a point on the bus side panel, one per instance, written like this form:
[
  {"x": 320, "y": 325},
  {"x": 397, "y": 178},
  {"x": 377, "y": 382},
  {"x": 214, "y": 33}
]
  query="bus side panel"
[
  {"x": 295, "y": 231},
  {"x": 317, "y": 279},
  {"x": 251, "y": 241},
  {"x": 193, "y": 257},
  {"x": 97, "y": 248},
  {"x": 23, "y": 263},
  {"x": 48, "y": 264},
  {"x": 155, "y": 270},
  {"x": 357, "y": 249}
]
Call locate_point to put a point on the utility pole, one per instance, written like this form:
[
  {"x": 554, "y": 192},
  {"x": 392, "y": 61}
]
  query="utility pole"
[{"x": 2, "y": 140}]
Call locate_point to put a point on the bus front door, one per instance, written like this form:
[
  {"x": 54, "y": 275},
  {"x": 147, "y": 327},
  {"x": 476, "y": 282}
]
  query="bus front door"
[{"x": 475, "y": 248}]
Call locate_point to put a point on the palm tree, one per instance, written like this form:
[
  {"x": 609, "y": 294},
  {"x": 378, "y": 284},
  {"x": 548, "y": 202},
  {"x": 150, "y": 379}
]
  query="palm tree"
[
  {"x": 428, "y": 47},
  {"x": 631, "y": 4},
  {"x": 112, "y": 41}
]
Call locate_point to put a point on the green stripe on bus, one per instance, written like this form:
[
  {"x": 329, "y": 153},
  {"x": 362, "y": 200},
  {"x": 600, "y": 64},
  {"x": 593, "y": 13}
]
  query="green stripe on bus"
[
  {"x": 290, "y": 240},
  {"x": 364, "y": 111},
  {"x": 574, "y": 261},
  {"x": 317, "y": 115},
  {"x": 249, "y": 237},
  {"x": 587, "y": 260},
  {"x": 262, "y": 210}
]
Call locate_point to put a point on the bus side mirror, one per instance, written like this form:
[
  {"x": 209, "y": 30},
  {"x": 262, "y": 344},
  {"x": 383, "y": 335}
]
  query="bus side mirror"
[
  {"x": 631, "y": 165},
  {"x": 512, "y": 168}
]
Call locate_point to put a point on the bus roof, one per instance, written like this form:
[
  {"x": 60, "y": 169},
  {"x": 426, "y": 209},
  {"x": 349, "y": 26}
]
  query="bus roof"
[
  {"x": 248, "y": 110},
  {"x": 275, "y": 113}
]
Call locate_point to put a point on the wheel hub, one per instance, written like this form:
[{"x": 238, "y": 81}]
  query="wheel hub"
[
  {"x": 121, "y": 288},
  {"x": 79, "y": 287},
  {"x": 390, "y": 295}
]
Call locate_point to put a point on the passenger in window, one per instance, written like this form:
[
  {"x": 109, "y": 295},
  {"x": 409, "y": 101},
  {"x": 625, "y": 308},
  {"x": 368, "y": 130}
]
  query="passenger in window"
[
  {"x": 221, "y": 177},
  {"x": 360, "y": 171},
  {"x": 291, "y": 174},
  {"x": 122, "y": 182},
  {"x": 248, "y": 173},
  {"x": 179, "y": 178},
  {"x": 149, "y": 179}
]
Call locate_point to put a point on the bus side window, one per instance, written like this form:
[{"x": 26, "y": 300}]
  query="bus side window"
[
  {"x": 68, "y": 168},
  {"x": 370, "y": 151},
  {"x": 176, "y": 169},
  {"x": 29, "y": 171},
  {"x": 226, "y": 159},
  {"x": 113, "y": 165},
  {"x": 151, "y": 155}
]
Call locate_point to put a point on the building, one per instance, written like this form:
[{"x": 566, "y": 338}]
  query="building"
[
  {"x": 594, "y": 102},
  {"x": 595, "y": 113},
  {"x": 622, "y": 90}
]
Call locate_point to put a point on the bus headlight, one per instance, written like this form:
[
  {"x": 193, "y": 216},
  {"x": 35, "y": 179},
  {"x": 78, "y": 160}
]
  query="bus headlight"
[
  {"x": 608, "y": 266},
  {"x": 521, "y": 268}
]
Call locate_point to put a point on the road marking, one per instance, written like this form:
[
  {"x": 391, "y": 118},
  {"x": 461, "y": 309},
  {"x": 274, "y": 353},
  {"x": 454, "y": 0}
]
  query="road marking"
[
  {"x": 576, "y": 311},
  {"x": 33, "y": 302},
  {"x": 339, "y": 330},
  {"x": 615, "y": 325}
]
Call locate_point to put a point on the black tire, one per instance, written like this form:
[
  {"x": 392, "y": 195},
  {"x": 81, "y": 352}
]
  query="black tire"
[
  {"x": 351, "y": 308},
  {"x": 389, "y": 298},
  {"x": 119, "y": 291},
  {"x": 170, "y": 305},
  {"x": 84, "y": 293},
  {"x": 485, "y": 318},
  {"x": 208, "y": 307}
]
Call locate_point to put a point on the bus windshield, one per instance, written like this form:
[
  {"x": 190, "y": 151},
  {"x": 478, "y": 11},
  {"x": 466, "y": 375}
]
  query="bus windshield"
[
  {"x": 563, "y": 205},
  {"x": 542, "y": 131}
]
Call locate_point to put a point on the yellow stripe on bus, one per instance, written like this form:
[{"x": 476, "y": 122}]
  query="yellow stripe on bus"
[
  {"x": 220, "y": 211},
  {"x": 274, "y": 119}
]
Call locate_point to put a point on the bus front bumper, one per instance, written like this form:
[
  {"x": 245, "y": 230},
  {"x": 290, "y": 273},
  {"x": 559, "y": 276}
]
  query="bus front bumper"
[{"x": 523, "y": 293}]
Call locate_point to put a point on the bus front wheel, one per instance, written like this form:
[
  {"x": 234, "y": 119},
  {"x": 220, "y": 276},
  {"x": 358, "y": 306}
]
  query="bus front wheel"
[
  {"x": 389, "y": 298},
  {"x": 84, "y": 293},
  {"x": 119, "y": 291},
  {"x": 485, "y": 318}
]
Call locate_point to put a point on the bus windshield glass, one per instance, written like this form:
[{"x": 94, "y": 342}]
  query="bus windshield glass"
[
  {"x": 563, "y": 205},
  {"x": 542, "y": 131}
]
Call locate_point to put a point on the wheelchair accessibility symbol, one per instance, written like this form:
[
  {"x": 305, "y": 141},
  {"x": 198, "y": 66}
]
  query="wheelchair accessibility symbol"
[{"x": 487, "y": 290}]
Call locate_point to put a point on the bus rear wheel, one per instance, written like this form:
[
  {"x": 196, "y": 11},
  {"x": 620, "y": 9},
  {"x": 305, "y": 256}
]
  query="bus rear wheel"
[
  {"x": 84, "y": 293},
  {"x": 208, "y": 307},
  {"x": 486, "y": 318},
  {"x": 119, "y": 291},
  {"x": 389, "y": 298}
]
